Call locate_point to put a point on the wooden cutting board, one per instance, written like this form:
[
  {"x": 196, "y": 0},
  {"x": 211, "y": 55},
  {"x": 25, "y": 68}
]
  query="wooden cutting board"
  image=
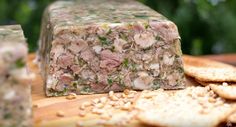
[{"x": 45, "y": 108}]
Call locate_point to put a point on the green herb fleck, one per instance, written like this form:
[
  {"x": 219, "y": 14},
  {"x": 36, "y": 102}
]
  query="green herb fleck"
[
  {"x": 96, "y": 79},
  {"x": 181, "y": 70},
  {"x": 75, "y": 84},
  {"x": 65, "y": 90},
  {"x": 126, "y": 62},
  {"x": 110, "y": 81},
  {"x": 109, "y": 32},
  {"x": 123, "y": 36},
  {"x": 58, "y": 93},
  {"x": 104, "y": 40},
  {"x": 86, "y": 89},
  {"x": 156, "y": 84},
  {"x": 112, "y": 48},
  {"x": 146, "y": 25},
  {"x": 20, "y": 63},
  {"x": 158, "y": 38},
  {"x": 7, "y": 116}
]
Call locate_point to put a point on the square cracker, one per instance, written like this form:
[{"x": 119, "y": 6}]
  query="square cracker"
[
  {"x": 193, "y": 106},
  {"x": 208, "y": 70}
]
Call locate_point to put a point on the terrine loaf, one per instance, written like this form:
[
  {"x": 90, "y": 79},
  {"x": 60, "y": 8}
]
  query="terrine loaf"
[
  {"x": 15, "y": 99},
  {"x": 96, "y": 46}
]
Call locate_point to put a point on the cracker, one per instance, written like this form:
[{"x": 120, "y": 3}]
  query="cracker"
[
  {"x": 191, "y": 81},
  {"x": 196, "y": 106},
  {"x": 225, "y": 91},
  {"x": 208, "y": 70},
  {"x": 232, "y": 118},
  {"x": 203, "y": 83}
]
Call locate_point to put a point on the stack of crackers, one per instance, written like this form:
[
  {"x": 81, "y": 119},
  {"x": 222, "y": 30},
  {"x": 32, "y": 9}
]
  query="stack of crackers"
[{"x": 209, "y": 101}]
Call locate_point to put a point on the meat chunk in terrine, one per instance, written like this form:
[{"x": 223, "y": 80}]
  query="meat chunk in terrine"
[
  {"x": 96, "y": 46},
  {"x": 15, "y": 100}
]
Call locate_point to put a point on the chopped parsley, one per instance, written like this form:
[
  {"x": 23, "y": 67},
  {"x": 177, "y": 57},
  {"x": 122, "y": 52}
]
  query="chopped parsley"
[
  {"x": 20, "y": 63},
  {"x": 109, "y": 32},
  {"x": 146, "y": 25},
  {"x": 126, "y": 62},
  {"x": 180, "y": 69},
  {"x": 75, "y": 84},
  {"x": 86, "y": 89},
  {"x": 104, "y": 40},
  {"x": 157, "y": 38},
  {"x": 7, "y": 116},
  {"x": 156, "y": 84},
  {"x": 112, "y": 48},
  {"x": 110, "y": 81},
  {"x": 58, "y": 93}
]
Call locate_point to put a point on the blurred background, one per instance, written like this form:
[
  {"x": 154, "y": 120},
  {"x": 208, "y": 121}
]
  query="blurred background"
[{"x": 205, "y": 26}]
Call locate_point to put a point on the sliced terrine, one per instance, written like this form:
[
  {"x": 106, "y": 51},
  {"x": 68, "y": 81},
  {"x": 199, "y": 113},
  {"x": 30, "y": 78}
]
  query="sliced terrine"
[
  {"x": 95, "y": 46},
  {"x": 15, "y": 100}
]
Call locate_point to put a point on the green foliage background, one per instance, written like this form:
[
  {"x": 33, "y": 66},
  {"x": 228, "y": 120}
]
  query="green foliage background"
[{"x": 205, "y": 26}]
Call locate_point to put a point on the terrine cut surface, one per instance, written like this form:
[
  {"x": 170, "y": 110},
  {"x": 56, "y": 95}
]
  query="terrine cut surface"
[
  {"x": 97, "y": 46},
  {"x": 15, "y": 100}
]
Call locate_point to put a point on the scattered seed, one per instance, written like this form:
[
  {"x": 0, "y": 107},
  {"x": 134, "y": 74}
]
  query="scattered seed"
[
  {"x": 95, "y": 101},
  {"x": 106, "y": 116},
  {"x": 200, "y": 94},
  {"x": 126, "y": 91},
  {"x": 97, "y": 111},
  {"x": 111, "y": 93},
  {"x": 126, "y": 106},
  {"x": 99, "y": 105},
  {"x": 79, "y": 124},
  {"x": 131, "y": 96},
  {"x": 112, "y": 103},
  {"x": 71, "y": 96},
  {"x": 60, "y": 114},
  {"x": 189, "y": 94},
  {"x": 35, "y": 106},
  {"x": 124, "y": 95},
  {"x": 114, "y": 98},
  {"x": 84, "y": 105},
  {"x": 211, "y": 100},
  {"x": 212, "y": 94},
  {"x": 148, "y": 96},
  {"x": 103, "y": 100},
  {"x": 82, "y": 113}
]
